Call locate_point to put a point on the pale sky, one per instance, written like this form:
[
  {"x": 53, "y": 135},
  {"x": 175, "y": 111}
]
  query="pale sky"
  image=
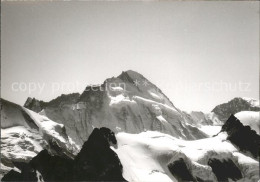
[{"x": 199, "y": 54}]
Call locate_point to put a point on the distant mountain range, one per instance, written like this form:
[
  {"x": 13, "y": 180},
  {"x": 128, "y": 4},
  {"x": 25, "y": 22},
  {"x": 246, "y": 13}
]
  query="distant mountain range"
[
  {"x": 143, "y": 137},
  {"x": 223, "y": 111}
]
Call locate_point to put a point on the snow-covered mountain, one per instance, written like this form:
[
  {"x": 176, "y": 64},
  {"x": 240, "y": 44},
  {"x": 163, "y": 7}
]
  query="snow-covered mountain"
[
  {"x": 238, "y": 104},
  {"x": 25, "y": 133},
  {"x": 222, "y": 112},
  {"x": 128, "y": 103},
  {"x": 150, "y": 138},
  {"x": 245, "y": 109}
]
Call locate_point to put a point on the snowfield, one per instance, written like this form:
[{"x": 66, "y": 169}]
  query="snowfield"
[
  {"x": 146, "y": 156},
  {"x": 250, "y": 118},
  {"x": 210, "y": 130},
  {"x": 20, "y": 143}
]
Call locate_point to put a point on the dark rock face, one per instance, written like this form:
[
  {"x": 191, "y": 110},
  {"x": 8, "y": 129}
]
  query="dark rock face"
[
  {"x": 37, "y": 105},
  {"x": 232, "y": 107},
  {"x": 64, "y": 99},
  {"x": 242, "y": 136},
  {"x": 93, "y": 96},
  {"x": 225, "y": 169},
  {"x": 125, "y": 77},
  {"x": 180, "y": 170},
  {"x": 52, "y": 168},
  {"x": 27, "y": 173},
  {"x": 34, "y": 104},
  {"x": 95, "y": 162}
]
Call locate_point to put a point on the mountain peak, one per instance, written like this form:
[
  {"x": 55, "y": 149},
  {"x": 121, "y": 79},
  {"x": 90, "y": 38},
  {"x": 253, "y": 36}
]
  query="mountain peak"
[
  {"x": 131, "y": 72},
  {"x": 234, "y": 106},
  {"x": 131, "y": 76},
  {"x": 34, "y": 104}
]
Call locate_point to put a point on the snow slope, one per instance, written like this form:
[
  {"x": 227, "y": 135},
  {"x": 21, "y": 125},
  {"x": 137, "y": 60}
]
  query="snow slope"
[
  {"x": 25, "y": 133},
  {"x": 210, "y": 130},
  {"x": 19, "y": 144},
  {"x": 53, "y": 130},
  {"x": 250, "y": 118},
  {"x": 147, "y": 156}
]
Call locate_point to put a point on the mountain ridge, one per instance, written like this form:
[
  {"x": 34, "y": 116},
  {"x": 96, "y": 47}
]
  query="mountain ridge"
[
  {"x": 234, "y": 106},
  {"x": 128, "y": 102}
]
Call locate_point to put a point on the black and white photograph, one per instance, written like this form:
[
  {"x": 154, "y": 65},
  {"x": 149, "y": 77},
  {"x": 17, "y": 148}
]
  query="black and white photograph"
[{"x": 136, "y": 91}]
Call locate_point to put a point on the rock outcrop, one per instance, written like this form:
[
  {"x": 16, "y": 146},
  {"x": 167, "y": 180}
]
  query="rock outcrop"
[
  {"x": 95, "y": 162},
  {"x": 242, "y": 136}
]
